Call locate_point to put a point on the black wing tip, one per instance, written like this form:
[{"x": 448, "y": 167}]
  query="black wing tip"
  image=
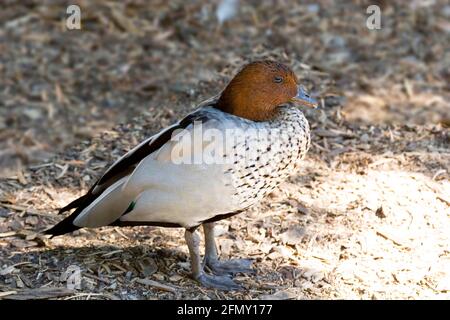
[
  {"x": 61, "y": 228},
  {"x": 75, "y": 203}
]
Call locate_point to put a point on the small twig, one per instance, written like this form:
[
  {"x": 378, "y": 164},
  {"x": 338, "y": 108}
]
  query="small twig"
[
  {"x": 438, "y": 193},
  {"x": 88, "y": 275},
  {"x": 381, "y": 161},
  {"x": 7, "y": 234},
  {"x": 111, "y": 253},
  {"x": 383, "y": 235},
  {"x": 88, "y": 295},
  {"x": 117, "y": 229}
]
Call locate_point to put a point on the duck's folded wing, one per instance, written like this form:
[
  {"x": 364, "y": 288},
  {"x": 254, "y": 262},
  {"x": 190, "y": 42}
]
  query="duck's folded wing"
[
  {"x": 120, "y": 169},
  {"x": 184, "y": 183},
  {"x": 127, "y": 163}
]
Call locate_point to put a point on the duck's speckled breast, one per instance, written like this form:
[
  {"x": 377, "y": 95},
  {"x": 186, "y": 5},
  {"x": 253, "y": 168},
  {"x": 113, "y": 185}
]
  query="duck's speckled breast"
[{"x": 264, "y": 160}]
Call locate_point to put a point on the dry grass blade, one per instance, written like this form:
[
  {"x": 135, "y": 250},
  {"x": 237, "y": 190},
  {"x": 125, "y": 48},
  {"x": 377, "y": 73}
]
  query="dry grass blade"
[
  {"x": 40, "y": 294},
  {"x": 371, "y": 198},
  {"x": 7, "y": 293}
]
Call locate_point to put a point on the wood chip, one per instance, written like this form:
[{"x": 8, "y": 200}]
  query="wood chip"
[
  {"x": 148, "y": 266},
  {"x": 156, "y": 285},
  {"x": 7, "y": 293},
  {"x": 108, "y": 254},
  {"x": 392, "y": 237},
  {"x": 293, "y": 235},
  {"x": 7, "y": 234}
]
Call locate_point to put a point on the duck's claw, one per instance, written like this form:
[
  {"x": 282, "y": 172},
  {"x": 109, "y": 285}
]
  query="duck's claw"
[
  {"x": 230, "y": 267},
  {"x": 218, "y": 282}
]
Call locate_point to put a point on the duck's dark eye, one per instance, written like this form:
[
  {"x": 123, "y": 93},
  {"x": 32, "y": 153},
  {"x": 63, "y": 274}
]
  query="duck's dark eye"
[{"x": 278, "y": 79}]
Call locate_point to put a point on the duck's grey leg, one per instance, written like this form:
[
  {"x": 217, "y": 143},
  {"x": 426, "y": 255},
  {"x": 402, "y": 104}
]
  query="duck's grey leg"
[
  {"x": 211, "y": 281},
  {"x": 212, "y": 258}
]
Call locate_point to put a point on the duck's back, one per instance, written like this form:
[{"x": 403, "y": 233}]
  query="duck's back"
[
  {"x": 213, "y": 165},
  {"x": 217, "y": 166}
]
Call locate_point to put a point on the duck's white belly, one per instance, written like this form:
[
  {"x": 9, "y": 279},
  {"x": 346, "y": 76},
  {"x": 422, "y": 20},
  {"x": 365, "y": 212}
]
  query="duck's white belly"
[{"x": 188, "y": 194}]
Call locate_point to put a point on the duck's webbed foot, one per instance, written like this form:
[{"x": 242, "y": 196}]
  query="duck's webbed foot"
[
  {"x": 212, "y": 260},
  {"x": 218, "y": 282},
  {"x": 229, "y": 267}
]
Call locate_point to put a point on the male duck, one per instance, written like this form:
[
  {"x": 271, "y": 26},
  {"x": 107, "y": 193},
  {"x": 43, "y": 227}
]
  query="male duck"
[{"x": 251, "y": 139}]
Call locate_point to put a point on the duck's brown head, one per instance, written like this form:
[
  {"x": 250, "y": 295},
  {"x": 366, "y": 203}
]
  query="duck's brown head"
[{"x": 260, "y": 88}]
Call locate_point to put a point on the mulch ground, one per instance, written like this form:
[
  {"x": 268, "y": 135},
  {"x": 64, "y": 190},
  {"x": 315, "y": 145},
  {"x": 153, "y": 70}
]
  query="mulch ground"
[{"x": 366, "y": 217}]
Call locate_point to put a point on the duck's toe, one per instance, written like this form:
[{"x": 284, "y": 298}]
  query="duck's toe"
[{"x": 218, "y": 282}]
